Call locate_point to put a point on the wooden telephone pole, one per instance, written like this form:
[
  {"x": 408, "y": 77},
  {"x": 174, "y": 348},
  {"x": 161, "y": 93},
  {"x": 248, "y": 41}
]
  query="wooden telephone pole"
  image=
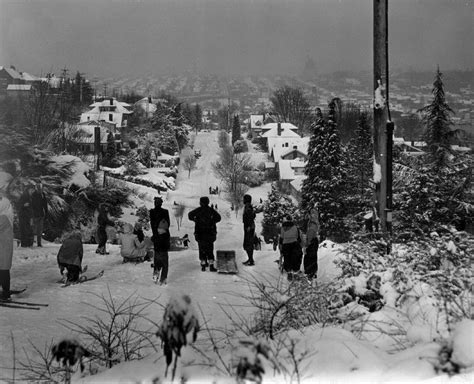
[{"x": 383, "y": 127}]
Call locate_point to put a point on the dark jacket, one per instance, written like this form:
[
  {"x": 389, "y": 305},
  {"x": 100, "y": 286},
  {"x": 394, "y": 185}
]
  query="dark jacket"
[
  {"x": 39, "y": 204},
  {"x": 24, "y": 203},
  {"x": 103, "y": 220},
  {"x": 248, "y": 218},
  {"x": 206, "y": 219},
  {"x": 156, "y": 215},
  {"x": 71, "y": 251}
]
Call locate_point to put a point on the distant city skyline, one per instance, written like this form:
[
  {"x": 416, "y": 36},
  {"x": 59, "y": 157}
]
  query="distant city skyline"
[{"x": 118, "y": 37}]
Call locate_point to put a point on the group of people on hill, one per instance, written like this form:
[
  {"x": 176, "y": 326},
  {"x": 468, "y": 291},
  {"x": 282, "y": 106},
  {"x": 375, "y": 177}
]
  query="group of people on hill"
[{"x": 134, "y": 245}]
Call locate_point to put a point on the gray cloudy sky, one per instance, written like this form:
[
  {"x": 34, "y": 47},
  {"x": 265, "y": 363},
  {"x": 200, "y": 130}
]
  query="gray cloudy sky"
[{"x": 113, "y": 37}]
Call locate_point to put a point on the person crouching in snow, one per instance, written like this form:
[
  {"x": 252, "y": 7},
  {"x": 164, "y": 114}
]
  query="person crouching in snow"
[
  {"x": 205, "y": 232},
  {"x": 311, "y": 257},
  {"x": 290, "y": 246},
  {"x": 131, "y": 249},
  {"x": 70, "y": 257}
]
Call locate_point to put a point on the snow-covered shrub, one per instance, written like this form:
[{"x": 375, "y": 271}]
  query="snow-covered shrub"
[
  {"x": 241, "y": 146},
  {"x": 281, "y": 308},
  {"x": 428, "y": 279},
  {"x": 179, "y": 319},
  {"x": 275, "y": 208},
  {"x": 143, "y": 217},
  {"x": 255, "y": 179}
]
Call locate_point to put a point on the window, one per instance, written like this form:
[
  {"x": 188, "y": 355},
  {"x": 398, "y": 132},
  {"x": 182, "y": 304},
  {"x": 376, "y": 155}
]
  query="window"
[{"x": 111, "y": 117}]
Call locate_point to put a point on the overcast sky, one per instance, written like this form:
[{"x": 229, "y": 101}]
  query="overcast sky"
[{"x": 113, "y": 37}]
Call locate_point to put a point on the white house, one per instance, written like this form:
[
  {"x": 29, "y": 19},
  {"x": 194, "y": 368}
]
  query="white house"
[
  {"x": 109, "y": 110},
  {"x": 274, "y": 126}
]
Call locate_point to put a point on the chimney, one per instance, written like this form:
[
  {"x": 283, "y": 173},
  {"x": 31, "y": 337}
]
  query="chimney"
[
  {"x": 279, "y": 129},
  {"x": 149, "y": 99}
]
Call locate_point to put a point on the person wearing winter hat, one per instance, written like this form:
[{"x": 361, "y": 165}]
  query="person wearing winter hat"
[
  {"x": 290, "y": 246},
  {"x": 205, "y": 232},
  {"x": 6, "y": 244},
  {"x": 248, "y": 219},
  {"x": 160, "y": 223}
]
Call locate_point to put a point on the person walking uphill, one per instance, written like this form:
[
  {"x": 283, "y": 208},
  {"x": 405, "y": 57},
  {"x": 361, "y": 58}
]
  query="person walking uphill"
[
  {"x": 160, "y": 223},
  {"x": 290, "y": 245},
  {"x": 39, "y": 209},
  {"x": 102, "y": 222},
  {"x": 248, "y": 218},
  {"x": 6, "y": 245},
  {"x": 205, "y": 232}
]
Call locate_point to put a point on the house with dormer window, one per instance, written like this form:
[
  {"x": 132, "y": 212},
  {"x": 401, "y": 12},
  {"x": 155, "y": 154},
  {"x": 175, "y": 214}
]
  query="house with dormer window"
[{"x": 109, "y": 110}]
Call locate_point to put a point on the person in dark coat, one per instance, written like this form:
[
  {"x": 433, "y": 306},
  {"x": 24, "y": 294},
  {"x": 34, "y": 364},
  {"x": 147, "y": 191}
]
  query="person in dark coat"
[
  {"x": 205, "y": 232},
  {"x": 290, "y": 246},
  {"x": 248, "y": 218},
  {"x": 310, "y": 261},
  {"x": 160, "y": 223},
  {"x": 102, "y": 222},
  {"x": 6, "y": 244},
  {"x": 25, "y": 215},
  {"x": 70, "y": 257},
  {"x": 39, "y": 208}
]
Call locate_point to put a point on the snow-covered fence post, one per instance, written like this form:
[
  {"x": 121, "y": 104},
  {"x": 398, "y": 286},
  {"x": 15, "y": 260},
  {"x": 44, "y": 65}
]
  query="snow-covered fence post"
[{"x": 179, "y": 319}]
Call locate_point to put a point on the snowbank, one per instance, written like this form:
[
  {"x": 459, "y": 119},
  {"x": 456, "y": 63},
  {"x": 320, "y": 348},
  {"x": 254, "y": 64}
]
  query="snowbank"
[{"x": 79, "y": 169}]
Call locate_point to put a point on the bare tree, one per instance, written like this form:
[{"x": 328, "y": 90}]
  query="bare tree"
[
  {"x": 189, "y": 163},
  {"x": 232, "y": 168},
  {"x": 292, "y": 107}
]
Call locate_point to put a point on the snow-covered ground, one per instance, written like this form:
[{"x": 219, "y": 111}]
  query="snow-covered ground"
[{"x": 328, "y": 354}]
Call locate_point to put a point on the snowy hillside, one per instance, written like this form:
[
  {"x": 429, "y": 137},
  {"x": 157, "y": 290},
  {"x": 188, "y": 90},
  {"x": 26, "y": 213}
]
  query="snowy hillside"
[{"x": 390, "y": 345}]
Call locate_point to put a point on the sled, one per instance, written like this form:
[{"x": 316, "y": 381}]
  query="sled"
[{"x": 225, "y": 262}]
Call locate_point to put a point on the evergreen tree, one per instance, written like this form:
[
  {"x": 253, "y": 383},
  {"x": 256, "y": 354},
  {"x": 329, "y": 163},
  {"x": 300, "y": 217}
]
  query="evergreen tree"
[
  {"x": 275, "y": 208},
  {"x": 197, "y": 117},
  {"x": 326, "y": 174},
  {"x": 437, "y": 121},
  {"x": 359, "y": 160},
  {"x": 236, "y": 129}
]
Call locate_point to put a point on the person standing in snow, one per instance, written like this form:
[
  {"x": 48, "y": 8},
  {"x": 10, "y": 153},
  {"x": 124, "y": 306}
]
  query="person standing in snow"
[
  {"x": 248, "y": 219},
  {"x": 39, "y": 208},
  {"x": 6, "y": 244},
  {"x": 310, "y": 262},
  {"x": 25, "y": 217},
  {"x": 290, "y": 246},
  {"x": 70, "y": 257},
  {"x": 160, "y": 223},
  {"x": 102, "y": 222},
  {"x": 205, "y": 232}
]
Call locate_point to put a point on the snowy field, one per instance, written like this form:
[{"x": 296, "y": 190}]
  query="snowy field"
[{"x": 327, "y": 354}]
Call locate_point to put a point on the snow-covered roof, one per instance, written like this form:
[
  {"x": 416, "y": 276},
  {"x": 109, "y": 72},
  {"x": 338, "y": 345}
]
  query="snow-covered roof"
[
  {"x": 297, "y": 183},
  {"x": 19, "y": 87},
  {"x": 28, "y": 77},
  {"x": 268, "y": 126},
  {"x": 285, "y": 132},
  {"x": 286, "y": 172},
  {"x": 296, "y": 163},
  {"x": 12, "y": 72},
  {"x": 278, "y": 145}
]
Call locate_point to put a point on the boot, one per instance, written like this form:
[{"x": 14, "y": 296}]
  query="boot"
[{"x": 212, "y": 268}]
